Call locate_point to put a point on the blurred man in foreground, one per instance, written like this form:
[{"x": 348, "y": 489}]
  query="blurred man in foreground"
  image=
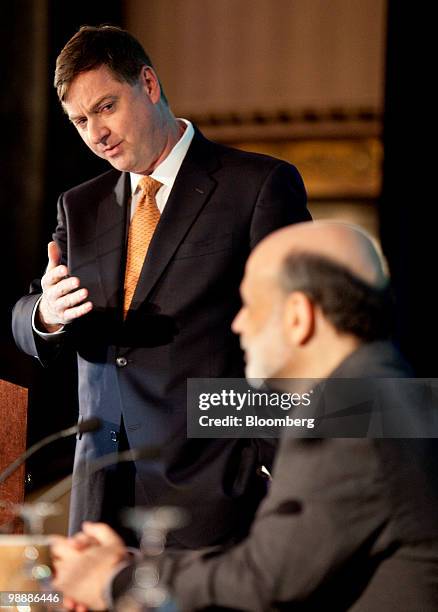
[{"x": 349, "y": 524}]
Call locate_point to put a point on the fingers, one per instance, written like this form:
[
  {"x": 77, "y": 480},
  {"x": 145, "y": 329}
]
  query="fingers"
[
  {"x": 55, "y": 284},
  {"x": 57, "y": 542},
  {"x": 60, "y": 311},
  {"x": 80, "y": 608},
  {"x": 94, "y": 534},
  {"x": 81, "y": 540},
  {"x": 53, "y": 276},
  {"x": 54, "y": 255},
  {"x": 61, "y": 547},
  {"x": 70, "y": 314},
  {"x": 70, "y": 604},
  {"x": 102, "y": 533},
  {"x": 63, "y": 298}
]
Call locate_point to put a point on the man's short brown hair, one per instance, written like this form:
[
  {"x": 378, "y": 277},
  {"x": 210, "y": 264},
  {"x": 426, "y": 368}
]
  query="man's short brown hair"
[{"x": 92, "y": 47}]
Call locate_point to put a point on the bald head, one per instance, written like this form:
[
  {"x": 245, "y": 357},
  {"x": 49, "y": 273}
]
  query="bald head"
[
  {"x": 311, "y": 294},
  {"x": 335, "y": 265},
  {"x": 346, "y": 245}
]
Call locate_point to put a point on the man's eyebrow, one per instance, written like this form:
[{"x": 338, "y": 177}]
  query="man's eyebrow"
[
  {"x": 95, "y": 107},
  {"x": 107, "y": 98}
]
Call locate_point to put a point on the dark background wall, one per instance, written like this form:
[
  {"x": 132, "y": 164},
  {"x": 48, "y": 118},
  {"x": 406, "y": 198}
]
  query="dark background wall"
[
  {"x": 408, "y": 211},
  {"x": 43, "y": 156}
]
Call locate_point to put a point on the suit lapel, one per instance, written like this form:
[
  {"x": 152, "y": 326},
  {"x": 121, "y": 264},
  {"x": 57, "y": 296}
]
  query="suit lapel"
[
  {"x": 111, "y": 229},
  {"x": 191, "y": 191}
]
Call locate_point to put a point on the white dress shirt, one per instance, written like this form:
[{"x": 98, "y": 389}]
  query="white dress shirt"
[{"x": 166, "y": 171}]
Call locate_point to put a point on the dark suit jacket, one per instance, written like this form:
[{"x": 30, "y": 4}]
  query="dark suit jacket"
[
  {"x": 222, "y": 204},
  {"x": 348, "y": 524}
]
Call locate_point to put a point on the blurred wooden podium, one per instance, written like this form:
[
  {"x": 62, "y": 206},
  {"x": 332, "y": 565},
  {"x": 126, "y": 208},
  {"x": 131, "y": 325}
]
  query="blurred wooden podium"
[{"x": 13, "y": 429}]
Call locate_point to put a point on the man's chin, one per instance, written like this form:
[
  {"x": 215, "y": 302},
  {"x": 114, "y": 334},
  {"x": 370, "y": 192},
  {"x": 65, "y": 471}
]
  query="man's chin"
[
  {"x": 254, "y": 377},
  {"x": 119, "y": 165}
]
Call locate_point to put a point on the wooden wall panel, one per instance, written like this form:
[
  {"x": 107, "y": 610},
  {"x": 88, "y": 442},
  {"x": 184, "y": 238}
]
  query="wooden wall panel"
[
  {"x": 13, "y": 420},
  {"x": 219, "y": 56}
]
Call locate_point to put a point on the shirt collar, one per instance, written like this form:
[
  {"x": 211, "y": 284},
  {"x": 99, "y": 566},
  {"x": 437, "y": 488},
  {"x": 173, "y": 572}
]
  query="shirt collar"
[{"x": 167, "y": 170}]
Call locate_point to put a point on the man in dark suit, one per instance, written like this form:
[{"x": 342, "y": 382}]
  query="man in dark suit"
[
  {"x": 349, "y": 523},
  {"x": 148, "y": 302}
]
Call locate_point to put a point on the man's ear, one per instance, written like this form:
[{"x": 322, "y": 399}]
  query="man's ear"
[
  {"x": 299, "y": 318},
  {"x": 150, "y": 82}
]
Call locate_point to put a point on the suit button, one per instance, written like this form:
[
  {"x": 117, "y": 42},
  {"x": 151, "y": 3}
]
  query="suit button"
[
  {"x": 114, "y": 436},
  {"x": 121, "y": 362}
]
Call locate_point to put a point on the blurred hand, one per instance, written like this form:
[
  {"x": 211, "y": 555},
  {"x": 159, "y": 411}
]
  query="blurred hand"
[
  {"x": 84, "y": 564},
  {"x": 63, "y": 298}
]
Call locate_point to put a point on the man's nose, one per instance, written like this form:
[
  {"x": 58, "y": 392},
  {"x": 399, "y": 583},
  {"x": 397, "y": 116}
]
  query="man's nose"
[
  {"x": 97, "y": 132},
  {"x": 236, "y": 324}
]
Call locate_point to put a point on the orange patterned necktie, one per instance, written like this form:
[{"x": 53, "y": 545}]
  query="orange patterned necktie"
[{"x": 141, "y": 230}]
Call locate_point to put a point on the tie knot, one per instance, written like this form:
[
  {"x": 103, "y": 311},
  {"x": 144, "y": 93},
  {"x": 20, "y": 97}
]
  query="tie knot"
[{"x": 149, "y": 186}]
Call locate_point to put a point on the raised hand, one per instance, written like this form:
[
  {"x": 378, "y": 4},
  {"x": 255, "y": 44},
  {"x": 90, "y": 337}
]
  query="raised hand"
[{"x": 63, "y": 297}]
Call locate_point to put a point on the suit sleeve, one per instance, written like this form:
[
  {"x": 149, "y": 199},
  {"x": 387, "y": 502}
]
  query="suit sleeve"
[
  {"x": 43, "y": 349},
  {"x": 281, "y": 201},
  {"x": 325, "y": 513}
]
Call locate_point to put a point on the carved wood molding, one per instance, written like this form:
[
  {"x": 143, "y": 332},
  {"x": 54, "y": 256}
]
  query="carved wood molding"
[
  {"x": 332, "y": 168},
  {"x": 285, "y": 125}
]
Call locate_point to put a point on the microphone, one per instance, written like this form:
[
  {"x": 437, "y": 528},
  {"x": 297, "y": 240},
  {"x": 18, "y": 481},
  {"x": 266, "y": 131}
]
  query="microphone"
[
  {"x": 89, "y": 425},
  {"x": 86, "y": 426},
  {"x": 150, "y": 453}
]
